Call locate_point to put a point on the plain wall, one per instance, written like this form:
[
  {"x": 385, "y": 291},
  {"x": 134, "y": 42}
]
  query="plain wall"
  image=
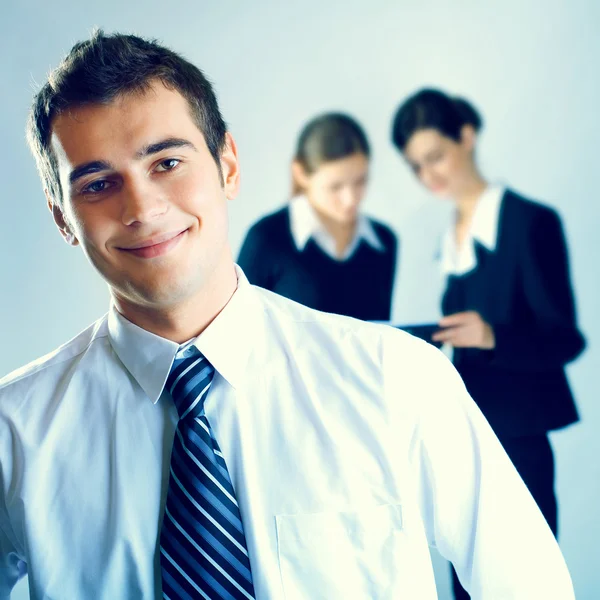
[{"x": 531, "y": 67}]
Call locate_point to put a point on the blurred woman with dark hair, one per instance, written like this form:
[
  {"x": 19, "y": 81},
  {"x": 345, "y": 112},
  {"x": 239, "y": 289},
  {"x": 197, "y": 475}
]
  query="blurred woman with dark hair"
[
  {"x": 508, "y": 304},
  {"x": 319, "y": 249}
]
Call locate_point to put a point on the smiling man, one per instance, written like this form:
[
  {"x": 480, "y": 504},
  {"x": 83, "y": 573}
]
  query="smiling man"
[{"x": 209, "y": 439}]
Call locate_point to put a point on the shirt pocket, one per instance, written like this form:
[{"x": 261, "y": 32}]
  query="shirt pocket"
[{"x": 362, "y": 554}]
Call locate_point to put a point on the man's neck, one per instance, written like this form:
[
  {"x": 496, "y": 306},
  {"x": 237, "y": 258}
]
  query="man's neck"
[{"x": 186, "y": 319}]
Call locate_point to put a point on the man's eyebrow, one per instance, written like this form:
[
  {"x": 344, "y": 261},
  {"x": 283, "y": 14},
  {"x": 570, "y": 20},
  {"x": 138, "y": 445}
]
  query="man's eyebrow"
[
  {"x": 100, "y": 165},
  {"x": 87, "y": 168},
  {"x": 164, "y": 145}
]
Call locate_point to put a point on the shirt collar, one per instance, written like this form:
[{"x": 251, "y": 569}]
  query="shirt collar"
[
  {"x": 305, "y": 224},
  {"x": 484, "y": 229},
  {"x": 227, "y": 342}
]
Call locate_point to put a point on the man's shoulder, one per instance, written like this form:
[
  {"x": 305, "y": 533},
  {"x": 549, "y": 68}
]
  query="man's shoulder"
[
  {"x": 412, "y": 376},
  {"x": 298, "y": 317},
  {"x": 33, "y": 374},
  {"x": 323, "y": 330}
]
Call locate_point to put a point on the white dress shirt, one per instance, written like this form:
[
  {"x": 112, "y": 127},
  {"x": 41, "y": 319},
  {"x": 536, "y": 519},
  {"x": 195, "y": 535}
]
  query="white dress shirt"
[
  {"x": 351, "y": 447},
  {"x": 305, "y": 224},
  {"x": 457, "y": 260}
]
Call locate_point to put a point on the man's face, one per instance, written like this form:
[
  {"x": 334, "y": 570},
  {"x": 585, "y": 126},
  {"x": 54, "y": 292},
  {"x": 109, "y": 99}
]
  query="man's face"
[{"x": 143, "y": 196}]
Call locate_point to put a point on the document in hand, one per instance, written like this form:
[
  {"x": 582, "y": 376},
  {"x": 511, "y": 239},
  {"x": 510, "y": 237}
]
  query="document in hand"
[{"x": 423, "y": 331}]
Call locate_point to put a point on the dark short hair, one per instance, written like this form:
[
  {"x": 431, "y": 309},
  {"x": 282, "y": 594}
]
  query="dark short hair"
[
  {"x": 98, "y": 70},
  {"x": 433, "y": 109}
]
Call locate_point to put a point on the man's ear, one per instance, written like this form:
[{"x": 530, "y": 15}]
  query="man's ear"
[
  {"x": 230, "y": 167},
  {"x": 61, "y": 222}
]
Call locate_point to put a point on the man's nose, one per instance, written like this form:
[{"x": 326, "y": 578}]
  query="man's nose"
[{"x": 141, "y": 201}]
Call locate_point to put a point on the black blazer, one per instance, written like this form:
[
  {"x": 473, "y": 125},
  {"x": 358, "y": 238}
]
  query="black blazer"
[
  {"x": 360, "y": 286},
  {"x": 523, "y": 290}
]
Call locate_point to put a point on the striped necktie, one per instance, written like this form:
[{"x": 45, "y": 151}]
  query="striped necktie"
[{"x": 202, "y": 545}]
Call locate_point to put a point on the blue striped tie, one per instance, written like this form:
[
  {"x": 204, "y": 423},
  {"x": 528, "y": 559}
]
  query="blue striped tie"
[{"x": 202, "y": 545}]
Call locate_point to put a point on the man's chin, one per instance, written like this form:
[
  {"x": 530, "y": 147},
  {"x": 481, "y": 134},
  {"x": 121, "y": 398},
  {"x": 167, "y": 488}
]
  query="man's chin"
[{"x": 154, "y": 296}]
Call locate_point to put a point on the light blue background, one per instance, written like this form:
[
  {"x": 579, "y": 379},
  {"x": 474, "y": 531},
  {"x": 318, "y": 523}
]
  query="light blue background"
[{"x": 531, "y": 67}]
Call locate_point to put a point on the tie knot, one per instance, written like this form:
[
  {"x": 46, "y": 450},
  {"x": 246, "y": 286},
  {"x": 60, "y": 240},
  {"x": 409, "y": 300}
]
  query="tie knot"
[{"x": 188, "y": 383}]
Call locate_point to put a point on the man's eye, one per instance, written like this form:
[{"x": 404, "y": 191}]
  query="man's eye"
[
  {"x": 96, "y": 187},
  {"x": 167, "y": 164}
]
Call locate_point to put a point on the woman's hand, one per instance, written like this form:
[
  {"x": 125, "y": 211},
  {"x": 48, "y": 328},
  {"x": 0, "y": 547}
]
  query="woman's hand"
[{"x": 466, "y": 330}]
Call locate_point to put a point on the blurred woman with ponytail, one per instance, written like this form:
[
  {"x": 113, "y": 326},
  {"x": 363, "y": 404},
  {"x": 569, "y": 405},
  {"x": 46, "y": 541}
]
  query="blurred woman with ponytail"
[
  {"x": 320, "y": 249},
  {"x": 508, "y": 304}
]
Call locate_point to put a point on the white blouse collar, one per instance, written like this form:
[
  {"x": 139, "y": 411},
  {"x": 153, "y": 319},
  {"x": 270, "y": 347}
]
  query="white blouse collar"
[
  {"x": 484, "y": 229},
  {"x": 305, "y": 224}
]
